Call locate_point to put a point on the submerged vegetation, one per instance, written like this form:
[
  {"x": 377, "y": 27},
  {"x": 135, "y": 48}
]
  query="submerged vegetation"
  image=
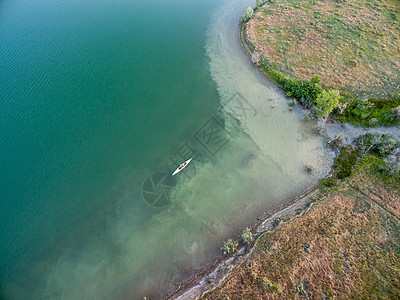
[{"x": 349, "y": 46}]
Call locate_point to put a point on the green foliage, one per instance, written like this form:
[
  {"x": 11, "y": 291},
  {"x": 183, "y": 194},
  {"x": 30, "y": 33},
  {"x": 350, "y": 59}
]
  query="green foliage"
[
  {"x": 377, "y": 166},
  {"x": 345, "y": 170},
  {"x": 268, "y": 286},
  {"x": 230, "y": 246},
  {"x": 383, "y": 147},
  {"x": 247, "y": 236},
  {"x": 304, "y": 90},
  {"x": 383, "y": 157},
  {"x": 299, "y": 289},
  {"x": 361, "y": 108},
  {"x": 326, "y": 102},
  {"x": 380, "y": 145},
  {"x": 328, "y": 182},
  {"x": 372, "y": 112},
  {"x": 248, "y": 13},
  {"x": 345, "y": 162},
  {"x": 392, "y": 161},
  {"x": 315, "y": 79}
]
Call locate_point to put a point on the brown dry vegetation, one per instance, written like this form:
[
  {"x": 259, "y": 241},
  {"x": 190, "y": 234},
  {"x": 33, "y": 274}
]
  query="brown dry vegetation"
[
  {"x": 346, "y": 247},
  {"x": 353, "y": 43}
]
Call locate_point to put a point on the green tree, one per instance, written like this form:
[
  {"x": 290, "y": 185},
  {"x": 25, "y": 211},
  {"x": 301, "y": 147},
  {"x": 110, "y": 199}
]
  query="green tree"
[
  {"x": 248, "y": 13},
  {"x": 258, "y": 3},
  {"x": 325, "y": 103}
]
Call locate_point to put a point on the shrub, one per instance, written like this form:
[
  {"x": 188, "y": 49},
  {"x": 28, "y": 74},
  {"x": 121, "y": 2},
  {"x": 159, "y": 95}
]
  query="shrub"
[
  {"x": 248, "y": 13},
  {"x": 337, "y": 142},
  {"x": 344, "y": 163},
  {"x": 393, "y": 161},
  {"x": 328, "y": 182},
  {"x": 304, "y": 90},
  {"x": 362, "y": 109},
  {"x": 315, "y": 79},
  {"x": 344, "y": 170},
  {"x": 380, "y": 145},
  {"x": 371, "y": 112},
  {"x": 299, "y": 289},
  {"x": 268, "y": 286},
  {"x": 230, "y": 246},
  {"x": 247, "y": 236}
]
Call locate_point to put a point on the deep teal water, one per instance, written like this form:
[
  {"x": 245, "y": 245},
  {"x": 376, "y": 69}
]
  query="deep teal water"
[{"x": 90, "y": 91}]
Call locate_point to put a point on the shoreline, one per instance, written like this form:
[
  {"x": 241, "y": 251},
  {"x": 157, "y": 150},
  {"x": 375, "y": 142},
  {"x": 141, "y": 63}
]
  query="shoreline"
[
  {"x": 209, "y": 276},
  {"x": 214, "y": 273}
]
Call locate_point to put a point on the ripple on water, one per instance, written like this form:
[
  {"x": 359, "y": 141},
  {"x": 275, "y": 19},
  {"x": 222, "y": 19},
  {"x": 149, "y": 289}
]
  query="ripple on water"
[{"x": 259, "y": 168}]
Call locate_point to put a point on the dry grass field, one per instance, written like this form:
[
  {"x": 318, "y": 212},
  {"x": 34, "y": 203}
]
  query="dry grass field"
[
  {"x": 347, "y": 246},
  {"x": 353, "y": 44}
]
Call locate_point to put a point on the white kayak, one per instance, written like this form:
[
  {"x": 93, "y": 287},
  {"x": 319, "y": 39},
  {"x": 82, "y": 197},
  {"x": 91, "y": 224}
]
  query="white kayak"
[{"x": 182, "y": 166}]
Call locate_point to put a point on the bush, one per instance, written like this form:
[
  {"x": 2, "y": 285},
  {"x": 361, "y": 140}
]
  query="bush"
[
  {"x": 393, "y": 161},
  {"x": 306, "y": 91},
  {"x": 371, "y": 112},
  {"x": 337, "y": 142},
  {"x": 299, "y": 289},
  {"x": 248, "y": 13},
  {"x": 247, "y": 236},
  {"x": 377, "y": 144},
  {"x": 344, "y": 170},
  {"x": 344, "y": 163},
  {"x": 268, "y": 286},
  {"x": 230, "y": 246},
  {"x": 315, "y": 79},
  {"x": 328, "y": 182}
]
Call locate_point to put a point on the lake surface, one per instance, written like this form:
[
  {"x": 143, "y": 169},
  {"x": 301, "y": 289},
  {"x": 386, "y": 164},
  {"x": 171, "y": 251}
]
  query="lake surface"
[{"x": 99, "y": 102}]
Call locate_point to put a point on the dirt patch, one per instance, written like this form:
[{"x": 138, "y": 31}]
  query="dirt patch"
[{"x": 353, "y": 44}]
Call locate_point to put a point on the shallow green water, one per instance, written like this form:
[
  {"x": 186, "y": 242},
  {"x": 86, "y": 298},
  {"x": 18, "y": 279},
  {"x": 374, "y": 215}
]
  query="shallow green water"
[{"x": 97, "y": 101}]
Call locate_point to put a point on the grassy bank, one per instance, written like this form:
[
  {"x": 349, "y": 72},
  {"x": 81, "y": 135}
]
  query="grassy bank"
[
  {"x": 347, "y": 246},
  {"x": 352, "y": 46}
]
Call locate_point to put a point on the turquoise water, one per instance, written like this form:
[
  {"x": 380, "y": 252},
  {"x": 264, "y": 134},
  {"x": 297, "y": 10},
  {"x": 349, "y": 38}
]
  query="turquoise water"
[
  {"x": 99, "y": 101},
  {"x": 90, "y": 89}
]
